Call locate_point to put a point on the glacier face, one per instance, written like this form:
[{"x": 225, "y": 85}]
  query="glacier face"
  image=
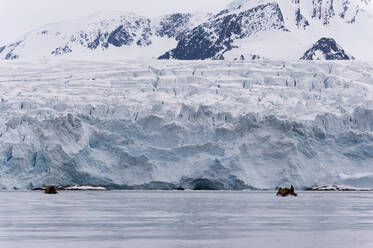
[{"x": 205, "y": 125}]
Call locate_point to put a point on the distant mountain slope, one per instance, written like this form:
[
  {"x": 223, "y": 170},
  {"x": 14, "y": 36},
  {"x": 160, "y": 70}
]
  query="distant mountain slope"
[
  {"x": 212, "y": 39},
  {"x": 273, "y": 29},
  {"x": 105, "y": 31},
  {"x": 279, "y": 29},
  {"x": 326, "y": 49}
]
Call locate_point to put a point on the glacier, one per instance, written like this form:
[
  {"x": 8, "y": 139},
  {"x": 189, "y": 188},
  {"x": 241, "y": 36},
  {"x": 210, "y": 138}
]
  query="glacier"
[{"x": 152, "y": 124}]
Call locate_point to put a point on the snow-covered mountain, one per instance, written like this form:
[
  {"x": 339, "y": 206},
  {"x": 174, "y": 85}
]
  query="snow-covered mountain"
[
  {"x": 326, "y": 49},
  {"x": 200, "y": 124},
  {"x": 215, "y": 37},
  {"x": 282, "y": 29},
  {"x": 274, "y": 29},
  {"x": 112, "y": 34}
]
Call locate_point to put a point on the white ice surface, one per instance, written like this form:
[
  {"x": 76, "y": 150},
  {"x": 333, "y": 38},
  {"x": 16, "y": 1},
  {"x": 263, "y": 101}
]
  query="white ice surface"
[
  {"x": 87, "y": 187},
  {"x": 264, "y": 123}
]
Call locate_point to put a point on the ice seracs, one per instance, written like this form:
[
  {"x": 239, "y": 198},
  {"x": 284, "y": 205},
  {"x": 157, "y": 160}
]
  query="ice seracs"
[{"x": 178, "y": 124}]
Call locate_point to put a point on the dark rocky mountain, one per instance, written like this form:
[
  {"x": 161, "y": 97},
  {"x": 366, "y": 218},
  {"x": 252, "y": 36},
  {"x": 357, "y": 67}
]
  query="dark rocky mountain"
[
  {"x": 174, "y": 25},
  {"x": 247, "y": 19},
  {"x": 326, "y": 49},
  {"x": 270, "y": 29},
  {"x": 102, "y": 31},
  {"x": 211, "y": 39}
]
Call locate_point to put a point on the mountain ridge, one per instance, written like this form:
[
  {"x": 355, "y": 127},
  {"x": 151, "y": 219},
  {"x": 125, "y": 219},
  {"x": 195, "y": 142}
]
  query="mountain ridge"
[{"x": 270, "y": 29}]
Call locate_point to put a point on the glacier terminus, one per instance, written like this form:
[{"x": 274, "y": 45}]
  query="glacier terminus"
[{"x": 169, "y": 124}]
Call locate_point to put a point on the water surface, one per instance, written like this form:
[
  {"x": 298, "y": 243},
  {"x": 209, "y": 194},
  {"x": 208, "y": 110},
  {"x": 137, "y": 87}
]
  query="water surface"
[{"x": 185, "y": 219}]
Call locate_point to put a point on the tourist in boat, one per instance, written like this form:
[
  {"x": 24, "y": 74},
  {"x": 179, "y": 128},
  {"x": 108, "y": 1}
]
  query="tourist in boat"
[
  {"x": 50, "y": 190},
  {"x": 287, "y": 191}
]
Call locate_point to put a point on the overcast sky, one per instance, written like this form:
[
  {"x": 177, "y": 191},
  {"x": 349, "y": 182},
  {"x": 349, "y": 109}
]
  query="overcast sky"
[{"x": 20, "y": 16}]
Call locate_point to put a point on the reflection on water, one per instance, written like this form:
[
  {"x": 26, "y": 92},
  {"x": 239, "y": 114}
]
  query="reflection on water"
[{"x": 186, "y": 219}]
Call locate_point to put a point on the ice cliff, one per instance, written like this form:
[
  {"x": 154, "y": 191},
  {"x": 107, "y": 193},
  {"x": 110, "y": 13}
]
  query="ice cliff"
[{"x": 206, "y": 125}]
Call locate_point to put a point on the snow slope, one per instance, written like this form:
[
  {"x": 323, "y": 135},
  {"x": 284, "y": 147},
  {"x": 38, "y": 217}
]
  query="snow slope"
[
  {"x": 326, "y": 49},
  {"x": 207, "y": 124},
  {"x": 112, "y": 34},
  {"x": 274, "y": 29},
  {"x": 279, "y": 29}
]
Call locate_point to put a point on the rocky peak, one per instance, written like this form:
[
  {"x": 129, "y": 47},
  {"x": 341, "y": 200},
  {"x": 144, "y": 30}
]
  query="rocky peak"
[
  {"x": 213, "y": 38},
  {"x": 326, "y": 49}
]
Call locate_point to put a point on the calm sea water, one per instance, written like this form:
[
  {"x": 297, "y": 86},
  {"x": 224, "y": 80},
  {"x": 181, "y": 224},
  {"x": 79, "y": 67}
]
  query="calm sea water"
[{"x": 186, "y": 219}]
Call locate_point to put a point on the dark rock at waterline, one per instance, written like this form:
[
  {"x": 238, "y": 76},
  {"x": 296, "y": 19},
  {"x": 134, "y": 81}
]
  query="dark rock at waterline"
[
  {"x": 147, "y": 186},
  {"x": 231, "y": 183}
]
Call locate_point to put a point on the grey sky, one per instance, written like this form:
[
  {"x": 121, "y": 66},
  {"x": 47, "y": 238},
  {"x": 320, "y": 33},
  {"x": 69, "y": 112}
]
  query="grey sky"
[{"x": 20, "y": 16}]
